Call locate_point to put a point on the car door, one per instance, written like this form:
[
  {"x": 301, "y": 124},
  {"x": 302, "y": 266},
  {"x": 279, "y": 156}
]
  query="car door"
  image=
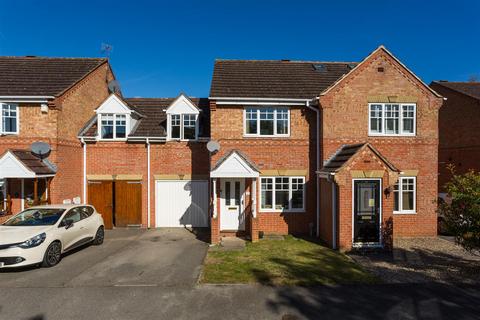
[
  {"x": 70, "y": 236},
  {"x": 89, "y": 224}
]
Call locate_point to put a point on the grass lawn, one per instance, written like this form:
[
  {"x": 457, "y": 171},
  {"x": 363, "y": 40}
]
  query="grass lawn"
[{"x": 292, "y": 261}]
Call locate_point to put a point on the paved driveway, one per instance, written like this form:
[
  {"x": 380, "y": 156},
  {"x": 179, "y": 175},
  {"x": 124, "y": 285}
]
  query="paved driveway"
[{"x": 163, "y": 257}]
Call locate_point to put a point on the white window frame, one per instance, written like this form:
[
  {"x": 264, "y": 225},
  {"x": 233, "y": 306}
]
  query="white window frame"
[
  {"x": 400, "y": 196},
  {"x": 17, "y": 108},
  {"x": 290, "y": 209},
  {"x": 257, "y": 108},
  {"x": 115, "y": 115},
  {"x": 181, "y": 138},
  {"x": 400, "y": 121}
]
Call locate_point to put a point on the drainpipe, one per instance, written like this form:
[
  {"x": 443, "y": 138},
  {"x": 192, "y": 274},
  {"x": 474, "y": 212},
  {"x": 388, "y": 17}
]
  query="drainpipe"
[
  {"x": 317, "y": 111},
  {"x": 148, "y": 183},
  {"x": 84, "y": 144},
  {"x": 334, "y": 216}
]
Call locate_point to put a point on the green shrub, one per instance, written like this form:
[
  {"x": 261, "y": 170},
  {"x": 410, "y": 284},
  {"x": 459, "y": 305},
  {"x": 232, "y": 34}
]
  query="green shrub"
[{"x": 461, "y": 210}]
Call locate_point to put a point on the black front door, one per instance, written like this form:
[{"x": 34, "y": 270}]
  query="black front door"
[{"x": 366, "y": 211}]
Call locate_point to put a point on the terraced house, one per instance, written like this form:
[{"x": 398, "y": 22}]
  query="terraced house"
[
  {"x": 47, "y": 100},
  {"x": 346, "y": 151}
]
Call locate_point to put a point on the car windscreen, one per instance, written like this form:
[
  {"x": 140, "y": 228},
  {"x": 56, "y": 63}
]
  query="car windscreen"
[{"x": 35, "y": 217}]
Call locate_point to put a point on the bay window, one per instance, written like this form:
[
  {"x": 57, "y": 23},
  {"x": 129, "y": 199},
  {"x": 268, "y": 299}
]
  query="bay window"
[
  {"x": 10, "y": 122},
  {"x": 391, "y": 119},
  {"x": 282, "y": 193},
  {"x": 113, "y": 126},
  {"x": 266, "y": 121},
  {"x": 404, "y": 195}
]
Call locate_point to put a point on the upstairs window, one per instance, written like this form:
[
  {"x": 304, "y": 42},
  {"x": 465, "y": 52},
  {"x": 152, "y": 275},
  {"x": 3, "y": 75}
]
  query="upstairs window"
[
  {"x": 266, "y": 121},
  {"x": 183, "y": 126},
  {"x": 113, "y": 126},
  {"x": 391, "y": 119},
  {"x": 10, "y": 122}
]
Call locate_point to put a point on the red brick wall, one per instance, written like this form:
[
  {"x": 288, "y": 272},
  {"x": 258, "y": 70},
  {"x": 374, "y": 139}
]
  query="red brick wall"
[
  {"x": 459, "y": 135},
  {"x": 296, "y": 152},
  {"x": 326, "y": 231},
  {"x": 171, "y": 158},
  {"x": 345, "y": 121}
]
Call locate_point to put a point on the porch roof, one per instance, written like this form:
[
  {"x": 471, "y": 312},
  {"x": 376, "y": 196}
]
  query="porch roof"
[
  {"x": 348, "y": 152},
  {"x": 21, "y": 163},
  {"x": 235, "y": 164}
]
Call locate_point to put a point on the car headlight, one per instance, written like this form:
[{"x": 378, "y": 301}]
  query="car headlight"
[{"x": 33, "y": 242}]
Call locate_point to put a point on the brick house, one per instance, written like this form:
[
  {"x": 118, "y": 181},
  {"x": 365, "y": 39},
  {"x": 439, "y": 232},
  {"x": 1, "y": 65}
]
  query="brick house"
[
  {"x": 346, "y": 151},
  {"x": 45, "y": 100},
  {"x": 459, "y": 136}
]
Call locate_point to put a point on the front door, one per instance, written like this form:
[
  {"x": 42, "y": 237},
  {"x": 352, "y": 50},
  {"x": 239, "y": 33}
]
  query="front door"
[
  {"x": 232, "y": 216},
  {"x": 366, "y": 211}
]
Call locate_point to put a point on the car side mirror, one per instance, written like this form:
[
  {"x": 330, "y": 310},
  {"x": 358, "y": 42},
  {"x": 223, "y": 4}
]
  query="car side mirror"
[{"x": 68, "y": 224}]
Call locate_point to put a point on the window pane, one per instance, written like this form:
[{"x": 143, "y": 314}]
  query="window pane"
[
  {"x": 227, "y": 193},
  {"x": 9, "y": 118},
  {"x": 237, "y": 193},
  {"x": 267, "y": 196},
  {"x": 189, "y": 126},
  {"x": 175, "y": 124},
  {"x": 121, "y": 125},
  {"x": 408, "y": 114},
  {"x": 395, "y": 198},
  {"x": 281, "y": 193},
  {"x": 297, "y": 193},
  {"x": 282, "y": 121},
  {"x": 107, "y": 126},
  {"x": 408, "y": 187},
  {"x": 391, "y": 118},
  {"x": 376, "y": 118},
  {"x": 251, "y": 121},
  {"x": 266, "y": 121}
]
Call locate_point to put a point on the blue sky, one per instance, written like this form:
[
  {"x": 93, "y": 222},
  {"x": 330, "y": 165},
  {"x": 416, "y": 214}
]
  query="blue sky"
[{"x": 162, "y": 48}]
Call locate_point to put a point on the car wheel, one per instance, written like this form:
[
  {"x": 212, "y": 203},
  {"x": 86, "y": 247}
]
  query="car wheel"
[
  {"x": 99, "y": 236},
  {"x": 53, "y": 255}
]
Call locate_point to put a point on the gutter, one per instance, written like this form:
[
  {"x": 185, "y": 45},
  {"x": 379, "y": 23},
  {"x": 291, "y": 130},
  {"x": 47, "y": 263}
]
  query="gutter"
[
  {"x": 317, "y": 111},
  {"x": 27, "y": 99}
]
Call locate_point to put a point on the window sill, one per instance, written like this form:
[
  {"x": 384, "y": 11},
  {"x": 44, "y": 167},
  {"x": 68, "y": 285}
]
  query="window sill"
[
  {"x": 404, "y": 212},
  {"x": 113, "y": 140},
  {"x": 9, "y": 133},
  {"x": 391, "y": 135},
  {"x": 281, "y": 211},
  {"x": 266, "y": 136}
]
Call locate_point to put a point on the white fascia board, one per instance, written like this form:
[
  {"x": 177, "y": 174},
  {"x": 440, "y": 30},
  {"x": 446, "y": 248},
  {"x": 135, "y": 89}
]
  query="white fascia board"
[
  {"x": 214, "y": 174},
  {"x": 260, "y": 101},
  {"x": 26, "y": 99},
  {"x": 113, "y": 104},
  {"x": 182, "y": 105}
]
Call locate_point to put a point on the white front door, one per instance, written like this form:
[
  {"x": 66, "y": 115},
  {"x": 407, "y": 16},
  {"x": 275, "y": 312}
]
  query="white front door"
[{"x": 232, "y": 215}]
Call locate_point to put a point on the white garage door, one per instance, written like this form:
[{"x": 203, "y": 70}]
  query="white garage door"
[{"x": 181, "y": 203}]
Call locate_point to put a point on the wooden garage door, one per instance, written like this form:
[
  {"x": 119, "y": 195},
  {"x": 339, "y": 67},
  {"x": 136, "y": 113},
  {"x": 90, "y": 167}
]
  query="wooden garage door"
[
  {"x": 128, "y": 203},
  {"x": 181, "y": 203},
  {"x": 100, "y": 195}
]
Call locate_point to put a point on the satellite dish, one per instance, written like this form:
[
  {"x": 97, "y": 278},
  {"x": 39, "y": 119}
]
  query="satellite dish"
[
  {"x": 40, "y": 149},
  {"x": 213, "y": 146},
  {"x": 113, "y": 86}
]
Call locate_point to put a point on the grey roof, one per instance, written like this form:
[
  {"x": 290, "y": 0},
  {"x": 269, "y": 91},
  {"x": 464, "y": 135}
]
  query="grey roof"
[
  {"x": 242, "y": 155},
  {"x": 152, "y": 117},
  {"x": 275, "y": 78},
  {"x": 471, "y": 89},
  {"x": 35, "y": 164},
  {"x": 42, "y": 76},
  {"x": 348, "y": 151}
]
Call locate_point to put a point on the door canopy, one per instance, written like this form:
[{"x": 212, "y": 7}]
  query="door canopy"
[{"x": 234, "y": 164}]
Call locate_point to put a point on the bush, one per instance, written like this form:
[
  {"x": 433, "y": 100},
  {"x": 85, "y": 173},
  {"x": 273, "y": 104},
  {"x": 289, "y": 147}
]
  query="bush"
[{"x": 461, "y": 211}]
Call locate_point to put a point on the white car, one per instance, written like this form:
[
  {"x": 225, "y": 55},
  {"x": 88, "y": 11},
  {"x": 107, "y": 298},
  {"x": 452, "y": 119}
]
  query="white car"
[{"x": 40, "y": 235}]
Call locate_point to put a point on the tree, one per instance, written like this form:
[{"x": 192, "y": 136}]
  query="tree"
[{"x": 461, "y": 211}]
